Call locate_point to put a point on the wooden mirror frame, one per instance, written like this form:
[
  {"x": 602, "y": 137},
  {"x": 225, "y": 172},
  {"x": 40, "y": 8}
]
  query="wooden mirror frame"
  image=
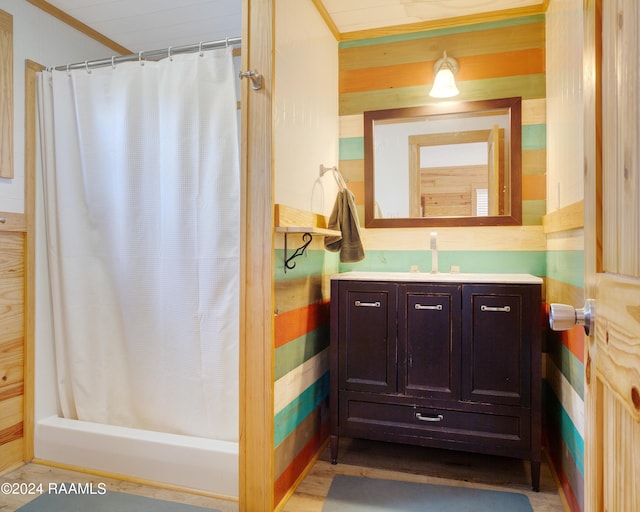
[{"x": 514, "y": 217}]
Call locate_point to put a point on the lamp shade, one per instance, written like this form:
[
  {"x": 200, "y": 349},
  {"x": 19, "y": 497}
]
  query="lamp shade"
[{"x": 444, "y": 85}]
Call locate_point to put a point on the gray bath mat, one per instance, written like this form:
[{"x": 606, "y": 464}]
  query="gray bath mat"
[
  {"x": 110, "y": 501},
  {"x": 358, "y": 494}
]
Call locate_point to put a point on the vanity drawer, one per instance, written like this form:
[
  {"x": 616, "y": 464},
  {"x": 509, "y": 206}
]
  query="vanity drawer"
[{"x": 450, "y": 425}]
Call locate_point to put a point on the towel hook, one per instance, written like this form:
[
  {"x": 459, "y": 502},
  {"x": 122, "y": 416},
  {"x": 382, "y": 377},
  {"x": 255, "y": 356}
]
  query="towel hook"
[{"x": 336, "y": 175}]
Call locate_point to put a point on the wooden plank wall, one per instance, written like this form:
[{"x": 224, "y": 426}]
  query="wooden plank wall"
[
  {"x": 301, "y": 387},
  {"x": 497, "y": 60},
  {"x": 12, "y": 277},
  {"x": 6, "y": 95},
  {"x": 12, "y": 286}
]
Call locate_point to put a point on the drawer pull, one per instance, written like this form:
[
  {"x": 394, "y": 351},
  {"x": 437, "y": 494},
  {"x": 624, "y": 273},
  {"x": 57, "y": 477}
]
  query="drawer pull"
[
  {"x": 367, "y": 304},
  {"x": 431, "y": 418},
  {"x": 437, "y": 307},
  {"x": 504, "y": 309}
]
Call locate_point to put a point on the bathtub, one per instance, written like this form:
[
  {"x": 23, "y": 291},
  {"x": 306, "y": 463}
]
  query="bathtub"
[{"x": 203, "y": 465}]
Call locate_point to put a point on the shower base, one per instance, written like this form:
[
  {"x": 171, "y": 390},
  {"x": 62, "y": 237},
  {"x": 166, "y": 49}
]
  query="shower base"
[{"x": 203, "y": 465}]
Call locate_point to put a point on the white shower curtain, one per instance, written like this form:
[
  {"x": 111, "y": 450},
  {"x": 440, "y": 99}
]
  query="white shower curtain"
[{"x": 142, "y": 194}]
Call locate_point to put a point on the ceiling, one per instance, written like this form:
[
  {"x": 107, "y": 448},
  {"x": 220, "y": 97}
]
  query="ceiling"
[{"x": 151, "y": 24}]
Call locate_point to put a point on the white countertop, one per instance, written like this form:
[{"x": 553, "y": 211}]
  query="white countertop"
[{"x": 440, "y": 277}]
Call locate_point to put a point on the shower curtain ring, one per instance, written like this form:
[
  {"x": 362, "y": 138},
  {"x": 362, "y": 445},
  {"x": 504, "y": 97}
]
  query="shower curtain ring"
[
  {"x": 140, "y": 59},
  {"x": 113, "y": 61},
  {"x": 86, "y": 65},
  {"x": 200, "y": 49},
  {"x": 68, "y": 70},
  {"x": 169, "y": 54}
]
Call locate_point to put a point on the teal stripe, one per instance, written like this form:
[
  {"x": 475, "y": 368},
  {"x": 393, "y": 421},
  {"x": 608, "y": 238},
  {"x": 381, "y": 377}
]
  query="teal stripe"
[
  {"x": 534, "y": 136},
  {"x": 527, "y": 262},
  {"x": 566, "y": 266},
  {"x": 311, "y": 263},
  {"x": 561, "y": 422},
  {"x": 351, "y": 148},
  {"x": 513, "y": 22},
  {"x": 288, "y": 419},
  {"x": 293, "y": 354}
]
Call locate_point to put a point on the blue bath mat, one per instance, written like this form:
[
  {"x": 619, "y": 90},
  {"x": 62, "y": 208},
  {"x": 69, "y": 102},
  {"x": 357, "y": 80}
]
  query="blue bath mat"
[
  {"x": 358, "y": 494},
  {"x": 110, "y": 501}
]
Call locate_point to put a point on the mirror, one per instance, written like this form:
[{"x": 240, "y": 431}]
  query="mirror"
[{"x": 446, "y": 164}]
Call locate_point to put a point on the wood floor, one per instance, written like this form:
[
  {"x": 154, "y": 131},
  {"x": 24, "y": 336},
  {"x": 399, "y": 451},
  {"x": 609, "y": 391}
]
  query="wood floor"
[
  {"x": 356, "y": 457},
  {"x": 416, "y": 464}
]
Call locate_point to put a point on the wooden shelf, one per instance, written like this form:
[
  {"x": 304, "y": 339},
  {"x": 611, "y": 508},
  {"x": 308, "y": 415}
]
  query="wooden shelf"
[
  {"x": 308, "y": 229},
  {"x": 293, "y": 221}
]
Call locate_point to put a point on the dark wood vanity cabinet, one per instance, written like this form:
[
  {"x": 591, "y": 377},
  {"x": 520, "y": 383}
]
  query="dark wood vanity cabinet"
[{"x": 440, "y": 364}]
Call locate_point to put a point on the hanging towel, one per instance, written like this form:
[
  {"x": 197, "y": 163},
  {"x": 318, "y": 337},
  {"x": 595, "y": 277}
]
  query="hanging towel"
[{"x": 344, "y": 218}]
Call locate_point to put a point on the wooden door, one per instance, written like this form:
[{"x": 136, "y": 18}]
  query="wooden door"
[{"x": 612, "y": 391}]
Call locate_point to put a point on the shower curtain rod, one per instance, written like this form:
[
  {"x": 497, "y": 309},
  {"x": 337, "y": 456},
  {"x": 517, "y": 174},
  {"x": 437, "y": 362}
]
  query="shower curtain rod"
[{"x": 164, "y": 52}]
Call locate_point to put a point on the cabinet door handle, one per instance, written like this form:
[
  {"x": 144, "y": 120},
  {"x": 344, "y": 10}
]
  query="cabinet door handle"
[
  {"x": 504, "y": 309},
  {"x": 436, "y": 307},
  {"x": 367, "y": 304},
  {"x": 431, "y": 418}
]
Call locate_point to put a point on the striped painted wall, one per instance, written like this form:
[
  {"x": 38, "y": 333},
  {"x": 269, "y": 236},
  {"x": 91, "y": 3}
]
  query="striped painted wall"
[
  {"x": 497, "y": 60},
  {"x": 305, "y": 135},
  {"x": 563, "y": 386},
  {"x": 301, "y": 392},
  {"x": 563, "y": 391}
]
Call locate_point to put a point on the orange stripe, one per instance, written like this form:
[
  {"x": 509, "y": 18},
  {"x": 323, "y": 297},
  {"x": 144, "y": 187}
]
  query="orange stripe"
[
  {"x": 289, "y": 476},
  {"x": 495, "y": 65},
  {"x": 385, "y": 77},
  {"x": 573, "y": 339},
  {"x": 534, "y": 186},
  {"x": 498, "y": 65},
  {"x": 357, "y": 187},
  {"x": 293, "y": 324}
]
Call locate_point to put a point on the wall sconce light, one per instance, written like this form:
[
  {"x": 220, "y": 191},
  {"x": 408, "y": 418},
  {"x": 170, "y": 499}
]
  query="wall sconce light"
[{"x": 444, "y": 85}]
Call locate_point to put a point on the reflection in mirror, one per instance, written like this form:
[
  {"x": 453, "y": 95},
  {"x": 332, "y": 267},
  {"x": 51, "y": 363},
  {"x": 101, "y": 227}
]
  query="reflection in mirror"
[{"x": 446, "y": 164}]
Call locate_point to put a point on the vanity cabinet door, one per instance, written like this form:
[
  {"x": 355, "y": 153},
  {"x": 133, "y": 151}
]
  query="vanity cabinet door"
[
  {"x": 429, "y": 340},
  {"x": 496, "y": 348},
  {"x": 367, "y": 337}
]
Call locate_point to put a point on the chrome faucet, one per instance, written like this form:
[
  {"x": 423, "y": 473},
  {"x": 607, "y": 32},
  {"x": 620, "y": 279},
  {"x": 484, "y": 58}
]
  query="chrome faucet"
[{"x": 434, "y": 252}]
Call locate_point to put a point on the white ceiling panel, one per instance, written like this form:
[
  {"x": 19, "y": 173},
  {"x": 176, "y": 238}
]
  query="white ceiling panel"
[
  {"x": 352, "y": 15},
  {"x": 151, "y": 24}
]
